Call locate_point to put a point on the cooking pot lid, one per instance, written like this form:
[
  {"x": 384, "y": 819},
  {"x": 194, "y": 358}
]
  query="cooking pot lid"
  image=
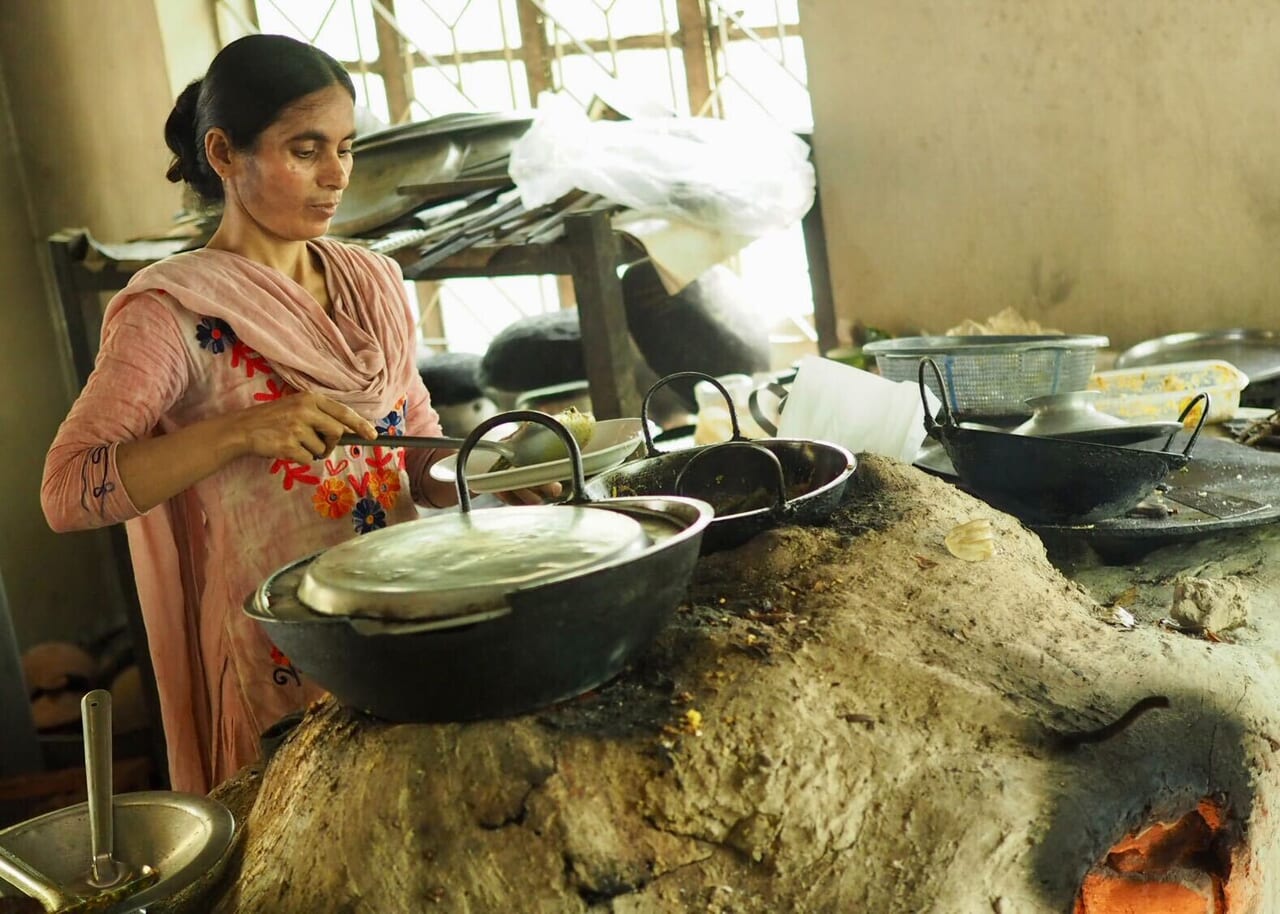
[{"x": 463, "y": 564}]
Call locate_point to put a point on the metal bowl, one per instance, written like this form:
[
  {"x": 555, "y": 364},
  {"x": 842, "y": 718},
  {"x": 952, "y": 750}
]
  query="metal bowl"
[{"x": 183, "y": 836}]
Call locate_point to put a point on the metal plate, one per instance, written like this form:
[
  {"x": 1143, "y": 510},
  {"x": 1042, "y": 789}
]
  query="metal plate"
[
  {"x": 612, "y": 441},
  {"x": 453, "y": 565},
  {"x": 373, "y": 199},
  {"x": 1255, "y": 352}
]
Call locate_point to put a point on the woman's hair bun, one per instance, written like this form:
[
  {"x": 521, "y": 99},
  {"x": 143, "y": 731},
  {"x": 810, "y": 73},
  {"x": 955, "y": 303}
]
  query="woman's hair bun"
[{"x": 180, "y": 133}]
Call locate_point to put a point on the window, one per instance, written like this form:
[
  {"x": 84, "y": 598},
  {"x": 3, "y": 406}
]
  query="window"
[{"x": 417, "y": 59}]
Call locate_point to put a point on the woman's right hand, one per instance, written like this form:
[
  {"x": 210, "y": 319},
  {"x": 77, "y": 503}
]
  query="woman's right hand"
[{"x": 299, "y": 427}]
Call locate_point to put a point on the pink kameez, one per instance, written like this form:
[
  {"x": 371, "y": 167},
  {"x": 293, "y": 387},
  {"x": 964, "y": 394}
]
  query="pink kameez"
[{"x": 195, "y": 336}]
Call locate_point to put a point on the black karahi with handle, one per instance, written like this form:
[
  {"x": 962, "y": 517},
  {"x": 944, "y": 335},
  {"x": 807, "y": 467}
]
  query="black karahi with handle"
[
  {"x": 508, "y": 623},
  {"x": 1053, "y": 480}
]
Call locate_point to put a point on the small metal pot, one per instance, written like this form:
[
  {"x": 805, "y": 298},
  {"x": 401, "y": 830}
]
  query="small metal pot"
[
  {"x": 1052, "y": 480},
  {"x": 753, "y": 484}
]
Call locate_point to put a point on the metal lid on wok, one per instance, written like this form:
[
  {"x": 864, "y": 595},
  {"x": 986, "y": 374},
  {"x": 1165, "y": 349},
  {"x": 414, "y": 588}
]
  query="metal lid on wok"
[{"x": 462, "y": 565}]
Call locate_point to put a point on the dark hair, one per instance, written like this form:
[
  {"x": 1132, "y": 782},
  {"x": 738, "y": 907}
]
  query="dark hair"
[{"x": 247, "y": 85}]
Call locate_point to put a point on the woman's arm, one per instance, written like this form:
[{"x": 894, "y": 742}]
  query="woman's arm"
[
  {"x": 106, "y": 464},
  {"x": 301, "y": 428}
]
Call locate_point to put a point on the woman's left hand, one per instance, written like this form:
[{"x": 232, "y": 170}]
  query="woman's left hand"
[{"x": 532, "y": 496}]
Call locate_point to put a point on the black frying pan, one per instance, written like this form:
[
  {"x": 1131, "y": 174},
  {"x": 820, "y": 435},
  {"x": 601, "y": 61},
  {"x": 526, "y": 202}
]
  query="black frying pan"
[
  {"x": 1053, "y": 480},
  {"x": 753, "y": 484}
]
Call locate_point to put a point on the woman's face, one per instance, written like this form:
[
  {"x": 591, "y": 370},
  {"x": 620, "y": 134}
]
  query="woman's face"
[{"x": 289, "y": 183}]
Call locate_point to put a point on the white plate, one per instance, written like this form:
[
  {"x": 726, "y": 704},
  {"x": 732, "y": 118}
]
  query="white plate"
[{"x": 612, "y": 441}]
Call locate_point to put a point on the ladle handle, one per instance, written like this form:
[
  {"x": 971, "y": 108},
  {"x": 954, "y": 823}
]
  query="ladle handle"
[
  {"x": 19, "y": 874},
  {"x": 95, "y": 712}
]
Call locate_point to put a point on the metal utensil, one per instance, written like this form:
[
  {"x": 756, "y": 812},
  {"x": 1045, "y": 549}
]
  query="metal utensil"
[
  {"x": 1053, "y": 480},
  {"x": 427, "y": 441},
  {"x": 58, "y": 900},
  {"x": 108, "y": 880},
  {"x": 528, "y": 446},
  {"x": 105, "y": 871}
]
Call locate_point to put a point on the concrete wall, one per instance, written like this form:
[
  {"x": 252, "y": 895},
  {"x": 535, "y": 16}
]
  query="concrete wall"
[
  {"x": 1101, "y": 166},
  {"x": 88, "y": 88}
]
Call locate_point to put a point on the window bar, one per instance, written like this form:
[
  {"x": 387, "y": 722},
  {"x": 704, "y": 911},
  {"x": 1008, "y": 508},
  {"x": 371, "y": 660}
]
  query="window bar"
[
  {"x": 508, "y": 57},
  {"x": 610, "y": 39},
  {"x": 323, "y": 20},
  {"x": 302, "y": 33},
  {"x": 693, "y": 22},
  {"x": 396, "y": 78},
  {"x": 782, "y": 35},
  {"x": 583, "y": 47},
  {"x": 730, "y": 16},
  {"x": 538, "y": 73},
  {"x": 355, "y": 33},
  {"x": 380, "y": 10},
  {"x": 668, "y": 49}
]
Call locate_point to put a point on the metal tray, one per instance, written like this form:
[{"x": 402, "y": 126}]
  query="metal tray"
[{"x": 1255, "y": 352}]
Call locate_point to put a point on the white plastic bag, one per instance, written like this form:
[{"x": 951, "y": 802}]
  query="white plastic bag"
[{"x": 749, "y": 179}]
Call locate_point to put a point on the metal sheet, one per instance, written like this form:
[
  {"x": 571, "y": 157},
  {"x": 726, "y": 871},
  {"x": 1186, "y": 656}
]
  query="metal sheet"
[{"x": 1255, "y": 352}]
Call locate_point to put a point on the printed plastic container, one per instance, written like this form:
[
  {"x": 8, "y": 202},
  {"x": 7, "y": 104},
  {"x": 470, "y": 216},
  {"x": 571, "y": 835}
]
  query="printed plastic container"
[{"x": 1156, "y": 393}]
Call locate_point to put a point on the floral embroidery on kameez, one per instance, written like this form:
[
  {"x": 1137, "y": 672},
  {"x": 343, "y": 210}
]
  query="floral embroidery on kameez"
[{"x": 214, "y": 334}]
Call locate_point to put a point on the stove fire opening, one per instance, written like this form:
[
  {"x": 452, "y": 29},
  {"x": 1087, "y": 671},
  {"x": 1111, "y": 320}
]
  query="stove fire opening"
[{"x": 1183, "y": 867}]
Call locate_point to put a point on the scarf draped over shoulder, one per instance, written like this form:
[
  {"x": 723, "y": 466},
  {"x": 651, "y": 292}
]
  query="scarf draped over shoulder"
[{"x": 362, "y": 356}]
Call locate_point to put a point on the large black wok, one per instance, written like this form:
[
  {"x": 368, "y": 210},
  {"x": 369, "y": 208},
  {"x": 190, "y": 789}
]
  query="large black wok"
[
  {"x": 1052, "y": 480},
  {"x": 549, "y": 641},
  {"x": 751, "y": 484}
]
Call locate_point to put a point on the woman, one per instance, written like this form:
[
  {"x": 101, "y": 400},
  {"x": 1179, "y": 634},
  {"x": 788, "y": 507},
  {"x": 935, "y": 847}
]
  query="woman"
[{"x": 224, "y": 379}]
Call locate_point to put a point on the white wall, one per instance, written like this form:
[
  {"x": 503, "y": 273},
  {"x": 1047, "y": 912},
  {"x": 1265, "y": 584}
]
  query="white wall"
[{"x": 88, "y": 89}]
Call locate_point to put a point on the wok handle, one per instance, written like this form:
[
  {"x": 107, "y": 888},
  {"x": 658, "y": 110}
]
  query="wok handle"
[
  {"x": 1203, "y": 396},
  {"x": 576, "y": 496},
  {"x": 652, "y": 451},
  {"x": 753, "y": 402},
  {"x": 777, "y": 474},
  {"x": 947, "y": 419}
]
